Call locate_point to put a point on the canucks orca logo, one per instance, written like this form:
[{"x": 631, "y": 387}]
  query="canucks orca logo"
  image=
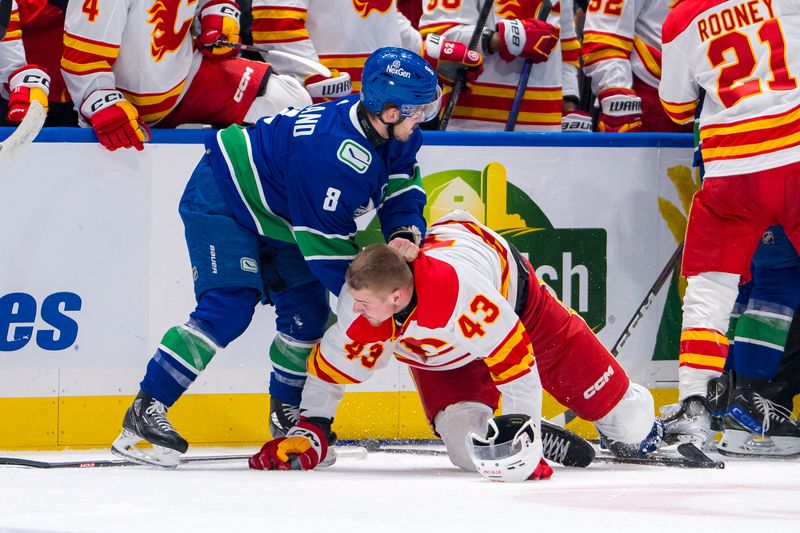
[{"x": 571, "y": 261}]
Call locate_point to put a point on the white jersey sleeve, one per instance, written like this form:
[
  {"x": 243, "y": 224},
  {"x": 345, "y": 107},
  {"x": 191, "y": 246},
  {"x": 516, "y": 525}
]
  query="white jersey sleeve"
[
  {"x": 12, "y": 54},
  {"x": 608, "y": 35}
]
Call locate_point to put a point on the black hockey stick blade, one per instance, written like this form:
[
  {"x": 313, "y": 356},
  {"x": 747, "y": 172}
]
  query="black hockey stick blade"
[
  {"x": 693, "y": 453},
  {"x": 689, "y": 456}
]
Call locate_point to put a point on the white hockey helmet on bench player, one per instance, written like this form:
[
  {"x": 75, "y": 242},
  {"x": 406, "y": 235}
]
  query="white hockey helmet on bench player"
[{"x": 510, "y": 450}]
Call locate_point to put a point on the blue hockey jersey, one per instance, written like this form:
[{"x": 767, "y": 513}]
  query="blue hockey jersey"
[{"x": 305, "y": 175}]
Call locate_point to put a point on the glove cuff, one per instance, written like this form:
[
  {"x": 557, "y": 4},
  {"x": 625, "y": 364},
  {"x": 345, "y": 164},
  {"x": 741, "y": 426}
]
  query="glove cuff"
[
  {"x": 339, "y": 84},
  {"x": 223, "y": 8},
  {"x": 99, "y": 100},
  {"x": 312, "y": 430},
  {"x": 31, "y": 76},
  {"x": 619, "y": 102},
  {"x": 409, "y": 233}
]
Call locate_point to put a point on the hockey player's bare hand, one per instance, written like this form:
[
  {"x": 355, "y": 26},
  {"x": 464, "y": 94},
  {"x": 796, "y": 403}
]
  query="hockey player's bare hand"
[
  {"x": 219, "y": 20},
  {"x": 405, "y": 249},
  {"x": 529, "y": 38},
  {"x": 26, "y": 84},
  {"x": 115, "y": 121},
  {"x": 447, "y": 57},
  {"x": 301, "y": 449}
]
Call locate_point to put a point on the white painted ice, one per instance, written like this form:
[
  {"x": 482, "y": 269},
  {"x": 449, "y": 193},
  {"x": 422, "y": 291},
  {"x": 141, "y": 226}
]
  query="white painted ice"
[{"x": 396, "y": 493}]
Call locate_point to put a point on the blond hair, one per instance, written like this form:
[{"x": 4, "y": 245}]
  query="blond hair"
[{"x": 379, "y": 269}]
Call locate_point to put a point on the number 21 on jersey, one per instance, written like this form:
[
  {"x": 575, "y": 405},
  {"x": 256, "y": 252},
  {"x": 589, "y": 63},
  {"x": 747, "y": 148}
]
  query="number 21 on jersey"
[{"x": 731, "y": 84}]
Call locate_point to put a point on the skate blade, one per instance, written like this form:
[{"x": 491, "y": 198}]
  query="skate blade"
[
  {"x": 737, "y": 443},
  {"x": 125, "y": 446}
]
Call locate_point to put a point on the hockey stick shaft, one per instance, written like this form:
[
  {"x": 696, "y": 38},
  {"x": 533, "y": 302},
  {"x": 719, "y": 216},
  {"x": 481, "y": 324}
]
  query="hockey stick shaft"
[
  {"x": 318, "y": 67},
  {"x": 5, "y": 16},
  {"x": 348, "y": 452},
  {"x": 662, "y": 278},
  {"x": 524, "y": 75},
  {"x": 461, "y": 77},
  {"x": 25, "y": 133}
]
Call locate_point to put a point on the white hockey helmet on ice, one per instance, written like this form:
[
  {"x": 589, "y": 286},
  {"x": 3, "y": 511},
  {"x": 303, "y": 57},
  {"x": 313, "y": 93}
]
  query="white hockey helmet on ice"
[{"x": 510, "y": 450}]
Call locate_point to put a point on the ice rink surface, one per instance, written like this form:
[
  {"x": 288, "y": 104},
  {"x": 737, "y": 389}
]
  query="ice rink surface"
[{"x": 395, "y": 493}]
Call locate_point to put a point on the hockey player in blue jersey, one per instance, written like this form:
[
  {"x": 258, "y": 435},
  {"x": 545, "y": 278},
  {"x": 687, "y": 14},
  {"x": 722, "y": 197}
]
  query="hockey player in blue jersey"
[{"x": 270, "y": 217}]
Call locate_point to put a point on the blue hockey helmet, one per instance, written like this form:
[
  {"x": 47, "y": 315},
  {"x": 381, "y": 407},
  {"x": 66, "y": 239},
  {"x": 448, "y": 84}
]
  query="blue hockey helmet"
[{"x": 398, "y": 76}]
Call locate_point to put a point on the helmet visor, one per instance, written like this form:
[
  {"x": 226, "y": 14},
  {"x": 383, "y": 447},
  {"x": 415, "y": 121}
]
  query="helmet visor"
[
  {"x": 423, "y": 112},
  {"x": 493, "y": 452}
]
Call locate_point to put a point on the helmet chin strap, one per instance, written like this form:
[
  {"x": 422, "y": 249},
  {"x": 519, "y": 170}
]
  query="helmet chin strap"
[{"x": 390, "y": 125}]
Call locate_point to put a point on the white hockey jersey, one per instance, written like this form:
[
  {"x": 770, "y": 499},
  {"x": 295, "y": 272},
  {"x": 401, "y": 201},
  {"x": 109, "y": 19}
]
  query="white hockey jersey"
[
  {"x": 622, "y": 39},
  {"x": 141, "y": 47},
  {"x": 570, "y": 48},
  {"x": 465, "y": 287},
  {"x": 744, "y": 57},
  {"x": 487, "y": 105},
  {"x": 12, "y": 53},
  {"x": 340, "y": 34}
]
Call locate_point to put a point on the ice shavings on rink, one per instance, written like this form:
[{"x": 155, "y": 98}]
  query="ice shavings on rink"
[{"x": 394, "y": 493}]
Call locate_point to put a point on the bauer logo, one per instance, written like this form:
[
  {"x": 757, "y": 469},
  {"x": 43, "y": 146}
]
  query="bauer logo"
[
  {"x": 571, "y": 261},
  {"x": 50, "y": 324}
]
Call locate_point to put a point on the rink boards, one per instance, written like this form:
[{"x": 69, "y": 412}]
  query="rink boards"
[{"x": 95, "y": 270}]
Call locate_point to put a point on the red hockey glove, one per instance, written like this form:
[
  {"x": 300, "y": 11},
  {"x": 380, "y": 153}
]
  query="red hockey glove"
[
  {"x": 542, "y": 471},
  {"x": 338, "y": 85},
  {"x": 449, "y": 56},
  {"x": 529, "y": 38},
  {"x": 576, "y": 122},
  {"x": 115, "y": 121},
  {"x": 219, "y": 20},
  {"x": 26, "y": 84},
  {"x": 620, "y": 110},
  {"x": 303, "y": 447}
]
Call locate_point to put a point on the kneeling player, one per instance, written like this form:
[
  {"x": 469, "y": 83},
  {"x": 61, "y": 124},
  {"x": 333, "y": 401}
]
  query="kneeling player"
[{"x": 467, "y": 317}]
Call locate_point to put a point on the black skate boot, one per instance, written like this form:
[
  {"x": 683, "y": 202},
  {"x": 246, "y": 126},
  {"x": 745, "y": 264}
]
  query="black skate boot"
[
  {"x": 282, "y": 417},
  {"x": 719, "y": 391},
  {"x": 146, "y": 419},
  {"x": 755, "y": 426},
  {"x": 636, "y": 449},
  {"x": 688, "y": 421}
]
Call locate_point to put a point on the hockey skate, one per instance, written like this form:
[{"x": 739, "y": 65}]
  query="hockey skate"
[
  {"x": 282, "y": 417},
  {"x": 755, "y": 426},
  {"x": 688, "y": 421},
  {"x": 146, "y": 419},
  {"x": 639, "y": 449}
]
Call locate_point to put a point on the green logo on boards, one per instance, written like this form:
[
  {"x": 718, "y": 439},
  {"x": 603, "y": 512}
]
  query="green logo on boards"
[{"x": 354, "y": 155}]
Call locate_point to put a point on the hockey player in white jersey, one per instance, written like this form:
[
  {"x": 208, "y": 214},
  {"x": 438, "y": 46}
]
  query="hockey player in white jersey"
[
  {"x": 304, "y": 27},
  {"x": 622, "y": 54},
  {"x": 20, "y": 82},
  {"x": 742, "y": 58},
  {"x": 132, "y": 64},
  {"x": 468, "y": 317},
  {"x": 511, "y": 36}
]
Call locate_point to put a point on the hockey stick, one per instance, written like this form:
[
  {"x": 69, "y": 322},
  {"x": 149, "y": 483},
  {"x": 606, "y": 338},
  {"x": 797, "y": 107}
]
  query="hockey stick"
[
  {"x": 319, "y": 68},
  {"x": 461, "y": 77},
  {"x": 525, "y": 74},
  {"x": 25, "y": 133},
  {"x": 5, "y": 17},
  {"x": 689, "y": 456},
  {"x": 349, "y": 452},
  {"x": 662, "y": 278}
]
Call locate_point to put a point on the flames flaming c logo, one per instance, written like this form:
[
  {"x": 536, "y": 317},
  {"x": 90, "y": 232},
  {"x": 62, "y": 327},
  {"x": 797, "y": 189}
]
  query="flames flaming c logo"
[
  {"x": 163, "y": 17},
  {"x": 364, "y": 7}
]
